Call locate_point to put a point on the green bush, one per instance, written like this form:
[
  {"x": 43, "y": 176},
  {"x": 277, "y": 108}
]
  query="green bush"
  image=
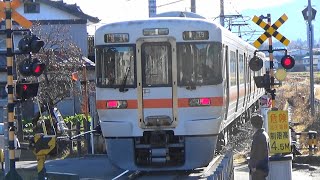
[
  {"x": 76, "y": 118},
  {"x": 28, "y": 126}
]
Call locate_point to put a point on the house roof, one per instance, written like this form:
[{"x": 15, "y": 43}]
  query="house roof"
[{"x": 70, "y": 8}]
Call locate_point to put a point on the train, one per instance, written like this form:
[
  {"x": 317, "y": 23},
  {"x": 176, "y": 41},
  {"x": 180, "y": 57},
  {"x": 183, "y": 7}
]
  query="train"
[{"x": 170, "y": 90}]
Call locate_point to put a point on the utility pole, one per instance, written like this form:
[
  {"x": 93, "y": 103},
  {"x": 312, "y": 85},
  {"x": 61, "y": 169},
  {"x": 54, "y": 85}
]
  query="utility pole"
[
  {"x": 193, "y": 6},
  {"x": 310, "y": 39},
  {"x": 309, "y": 14},
  {"x": 222, "y": 12},
  {"x": 152, "y": 8}
]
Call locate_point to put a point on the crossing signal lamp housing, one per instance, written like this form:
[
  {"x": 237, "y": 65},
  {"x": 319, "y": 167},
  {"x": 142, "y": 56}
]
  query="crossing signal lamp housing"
[
  {"x": 263, "y": 81},
  {"x": 30, "y": 43},
  {"x": 37, "y": 67},
  {"x": 255, "y": 63},
  {"x": 31, "y": 68},
  {"x": 26, "y": 90},
  {"x": 287, "y": 62}
]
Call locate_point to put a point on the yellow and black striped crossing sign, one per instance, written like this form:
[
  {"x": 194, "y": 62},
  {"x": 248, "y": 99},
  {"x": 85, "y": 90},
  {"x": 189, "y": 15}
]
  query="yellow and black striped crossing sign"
[
  {"x": 14, "y": 14},
  {"x": 43, "y": 144},
  {"x": 270, "y": 30}
]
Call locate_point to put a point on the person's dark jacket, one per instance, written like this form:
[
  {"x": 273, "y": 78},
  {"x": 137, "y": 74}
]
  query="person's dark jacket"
[{"x": 259, "y": 155}]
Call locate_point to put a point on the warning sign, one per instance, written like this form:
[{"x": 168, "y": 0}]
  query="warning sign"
[{"x": 278, "y": 130}]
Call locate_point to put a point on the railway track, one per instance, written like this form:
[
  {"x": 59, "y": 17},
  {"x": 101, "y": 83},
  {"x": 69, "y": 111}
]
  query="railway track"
[
  {"x": 199, "y": 173},
  {"x": 240, "y": 140}
]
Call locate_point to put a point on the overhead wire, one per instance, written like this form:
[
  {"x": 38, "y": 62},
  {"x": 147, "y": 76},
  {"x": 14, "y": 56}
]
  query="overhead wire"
[
  {"x": 246, "y": 21},
  {"x": 169, "y": 3}
]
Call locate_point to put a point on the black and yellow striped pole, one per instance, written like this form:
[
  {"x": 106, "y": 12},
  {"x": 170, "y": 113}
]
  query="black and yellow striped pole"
[
  {"x": 7, "y": 12},
  {"x": 12, "y": 174},
  {"x": 43, "y": 145},
  {"x": 270, "y": 50}
]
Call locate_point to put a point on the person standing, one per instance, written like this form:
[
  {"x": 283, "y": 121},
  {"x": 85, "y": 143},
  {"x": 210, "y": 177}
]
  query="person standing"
[{"x": 259, "y": 155}]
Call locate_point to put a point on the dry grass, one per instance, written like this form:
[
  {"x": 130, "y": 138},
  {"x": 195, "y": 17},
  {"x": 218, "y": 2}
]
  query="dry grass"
[{"x": 294, "y": 93}]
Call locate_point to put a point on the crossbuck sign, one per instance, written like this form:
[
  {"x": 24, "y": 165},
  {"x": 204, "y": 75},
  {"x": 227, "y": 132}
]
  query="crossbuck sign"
[{"x": 270, "y": 30}]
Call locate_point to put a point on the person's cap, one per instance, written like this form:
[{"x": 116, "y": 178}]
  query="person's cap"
[{"x": 257, "y": 120}]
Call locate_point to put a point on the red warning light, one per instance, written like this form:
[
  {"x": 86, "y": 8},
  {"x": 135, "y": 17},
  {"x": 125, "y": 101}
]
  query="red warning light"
[
  {"x": 25, "y": 87},
  {"x": 37, "y": 69},
  {"x": 287, "y": 62},
  {"x": 26, "y": 90}
]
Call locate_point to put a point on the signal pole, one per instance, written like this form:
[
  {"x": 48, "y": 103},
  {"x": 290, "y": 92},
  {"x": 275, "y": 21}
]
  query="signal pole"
[
  {"x": 12, "y": 174},
  {"x": 8, "y": 12},
  {"x": 310, "y": 39},
  {"x": 309, "y": 14},
  {"x": 273, "y": 95}
]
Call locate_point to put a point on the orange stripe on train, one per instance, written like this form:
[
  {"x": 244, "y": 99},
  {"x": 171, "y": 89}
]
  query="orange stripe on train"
[{"x": 160, "y": 103}]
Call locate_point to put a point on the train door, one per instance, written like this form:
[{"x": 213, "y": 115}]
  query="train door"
[
  {"x": 244, "y": 79},
  {"x": 156, "y": 83},
  {"x": 226, "y": 85},
  {"x": 248, "y": 77},
  {"x": 237, "y": 79}
]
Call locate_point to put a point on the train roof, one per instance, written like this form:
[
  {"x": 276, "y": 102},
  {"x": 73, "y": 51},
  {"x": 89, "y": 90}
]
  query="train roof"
[
  {"x": 174, "y": 24},
  {"x": 172, "y": 20},
  {"x": 180, "y": 14}
]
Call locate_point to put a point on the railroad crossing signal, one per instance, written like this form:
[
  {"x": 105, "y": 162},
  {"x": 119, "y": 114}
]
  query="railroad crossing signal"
[
  {"x": 270, "y": 30},
  {"x": 14, "y": 14},
  {"x": 26, "y": 90}
]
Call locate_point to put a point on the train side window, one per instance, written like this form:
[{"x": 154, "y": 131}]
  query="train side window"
[
  {"x": 241, "y": 69},
  {"x": 199, "y": 63},
  {"x": 233, "y": 68}
]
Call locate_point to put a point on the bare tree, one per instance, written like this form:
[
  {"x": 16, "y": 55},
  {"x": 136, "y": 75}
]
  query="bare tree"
[{"x": 62, "y": 57}]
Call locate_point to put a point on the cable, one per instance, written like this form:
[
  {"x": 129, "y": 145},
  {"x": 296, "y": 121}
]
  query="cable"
[
  {"x": 170, "y": 3},
  {"x": 249, "y": 26}
]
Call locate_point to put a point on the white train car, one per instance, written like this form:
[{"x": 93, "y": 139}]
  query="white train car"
[{"x": 167, "y": 87}]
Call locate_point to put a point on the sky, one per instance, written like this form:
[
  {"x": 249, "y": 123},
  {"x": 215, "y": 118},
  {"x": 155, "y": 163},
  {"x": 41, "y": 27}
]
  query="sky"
[{"x": 294, "y": 28}]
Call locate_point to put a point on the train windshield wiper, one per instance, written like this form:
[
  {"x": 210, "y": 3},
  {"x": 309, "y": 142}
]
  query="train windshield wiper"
[
  {"x": 124, "y": 81},
  {"x": 191, "y": 83}
]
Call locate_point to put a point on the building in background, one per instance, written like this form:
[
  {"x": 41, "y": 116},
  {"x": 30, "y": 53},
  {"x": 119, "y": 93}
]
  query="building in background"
[
  {"x": 316, "y": 62},
  {"x": 48, "y": 13}
]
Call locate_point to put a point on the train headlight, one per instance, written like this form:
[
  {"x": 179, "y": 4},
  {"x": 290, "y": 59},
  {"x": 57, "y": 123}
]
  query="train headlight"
[
  {"x": 117, "y": 104},
  {"x": 200, "y": 102}
]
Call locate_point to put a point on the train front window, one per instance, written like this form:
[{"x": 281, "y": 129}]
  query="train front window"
[
  {"x": 115, "y": 66},
  {"x": 199, "y": 64},
  {"x": 156, "y": 64}
]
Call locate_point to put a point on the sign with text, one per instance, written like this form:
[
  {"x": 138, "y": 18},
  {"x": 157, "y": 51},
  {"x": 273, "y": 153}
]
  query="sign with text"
[{"x": 278, "y": 127}]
